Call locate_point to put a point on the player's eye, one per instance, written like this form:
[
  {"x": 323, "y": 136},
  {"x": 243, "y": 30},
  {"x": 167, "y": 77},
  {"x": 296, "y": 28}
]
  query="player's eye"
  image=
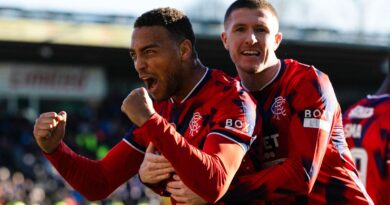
[
  {"x": 149, "y": 51},
  {"x": 133, "y": 56},
  {"x": 239, "y": 29},
  {"x": 260, "y": 30}
]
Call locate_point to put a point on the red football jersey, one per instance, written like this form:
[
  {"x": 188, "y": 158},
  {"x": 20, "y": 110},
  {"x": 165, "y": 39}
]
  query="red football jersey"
[
  {"x": 367, "y": 130},
  {"x": 217, "y": 105},
  {"x": 217, "y": 108},
  {"x": 300, "y": 155},
  {"x": 204, "y": 136}
]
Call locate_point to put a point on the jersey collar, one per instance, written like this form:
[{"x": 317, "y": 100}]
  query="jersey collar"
[
  {"x": 269, "y": 82},
  {"x": 196, "y": 88},
  {"x": 378, "y": 96}
]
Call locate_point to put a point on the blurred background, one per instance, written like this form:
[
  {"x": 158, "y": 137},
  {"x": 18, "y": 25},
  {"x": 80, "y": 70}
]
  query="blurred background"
[{"x": 73, "y": 55}]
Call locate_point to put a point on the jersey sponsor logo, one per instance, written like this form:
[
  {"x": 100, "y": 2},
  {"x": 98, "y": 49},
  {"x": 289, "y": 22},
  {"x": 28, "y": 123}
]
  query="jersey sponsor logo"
[
  {"x": 353, "y": 130},
  {"x": 361, "y": 112},
  {"x": 278, "y": 108},
  {"x": 270, "y": 144},
  {"x": 195, "y": 123},
  {"x": 317, "y": 118},
  {"x": 237, "y": 125}
]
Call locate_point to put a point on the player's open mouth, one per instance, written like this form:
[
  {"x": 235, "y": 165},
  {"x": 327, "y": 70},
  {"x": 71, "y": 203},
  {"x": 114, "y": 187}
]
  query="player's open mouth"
[
  {"x": 151, "y": 83},
  {"x": 250, "y": 53}
]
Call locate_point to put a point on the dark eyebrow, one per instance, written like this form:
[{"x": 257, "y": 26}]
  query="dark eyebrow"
[
  {"x": 153, "y": 45},
  {"x": 238, "y": 25}
]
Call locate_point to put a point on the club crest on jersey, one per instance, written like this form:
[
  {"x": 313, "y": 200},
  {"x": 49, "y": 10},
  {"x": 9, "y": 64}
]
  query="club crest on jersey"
[
  {"x": 278, "y": 107},
  {"x": 195, "y": 123}
]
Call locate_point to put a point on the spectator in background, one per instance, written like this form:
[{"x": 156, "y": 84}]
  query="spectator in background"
[
  {"x": 367, "y": 129},
  {"x": 300, "y": 155},
  {"x": 202, "y": 119}
]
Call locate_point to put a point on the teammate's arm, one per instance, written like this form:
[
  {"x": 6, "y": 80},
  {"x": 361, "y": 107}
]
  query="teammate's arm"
[{"x": 155, "y": 167}]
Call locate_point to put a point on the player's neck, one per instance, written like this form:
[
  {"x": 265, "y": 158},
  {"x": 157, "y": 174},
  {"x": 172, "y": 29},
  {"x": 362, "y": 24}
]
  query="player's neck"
[
  {"x": 190, "y": 80},
  {"x": 258, "y": 81}
]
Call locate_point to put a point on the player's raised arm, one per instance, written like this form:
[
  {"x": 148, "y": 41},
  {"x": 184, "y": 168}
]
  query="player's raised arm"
[{"x": 82, "y": 173}]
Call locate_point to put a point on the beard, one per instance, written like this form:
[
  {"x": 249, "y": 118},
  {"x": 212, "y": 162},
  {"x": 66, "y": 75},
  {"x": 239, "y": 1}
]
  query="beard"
[{"x": 170, "y": 87}]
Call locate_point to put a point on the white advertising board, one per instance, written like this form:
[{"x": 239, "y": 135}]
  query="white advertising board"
[{"x": 52, "y": 81}]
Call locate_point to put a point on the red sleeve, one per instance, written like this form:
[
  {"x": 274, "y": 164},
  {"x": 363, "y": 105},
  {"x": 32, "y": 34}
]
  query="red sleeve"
[
  {"x": 96, "y": 179},
  {"x": 207, "y": 172},
  {"x": 317, "y": 116}
]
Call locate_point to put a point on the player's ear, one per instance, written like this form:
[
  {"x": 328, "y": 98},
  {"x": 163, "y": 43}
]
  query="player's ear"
[
  {"x": 185, "y": 49},
  {"x": 224, "y": 40},
  {"x": 278, "y": 40}
]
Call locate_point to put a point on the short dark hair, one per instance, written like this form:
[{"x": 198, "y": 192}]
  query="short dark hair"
[
  {"x": 175, "y": 21},
  {"x": 250, "y": 4}
]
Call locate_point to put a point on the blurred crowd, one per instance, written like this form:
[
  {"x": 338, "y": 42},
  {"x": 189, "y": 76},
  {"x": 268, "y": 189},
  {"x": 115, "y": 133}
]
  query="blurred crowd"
[{"x": 26, "y": 177}]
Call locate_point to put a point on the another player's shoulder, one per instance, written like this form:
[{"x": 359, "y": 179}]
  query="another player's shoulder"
[
  {"x": 379, "y": 100},
  {"x": 225, "y": 83},
  {"x": 380, "y": 104},
  {"x": 303, "y": 71},
  {"x": 226, "y": 88},
  {"x": 360, "y": 110},
  {"x": 307, "y": 78},
  {"x": 368, "y": 107},
  {"x": 220, "y": 77}
]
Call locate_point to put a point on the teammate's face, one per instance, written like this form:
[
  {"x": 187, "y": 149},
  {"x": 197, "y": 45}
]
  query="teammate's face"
[
  {"x": 156, "y": 58},
  {"x": 251, "y": 36}
]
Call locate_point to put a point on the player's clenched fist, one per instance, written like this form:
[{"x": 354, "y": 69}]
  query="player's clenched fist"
[
  {"x": 49, "y": 130},
  {"x": 138, "y": 106}
]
